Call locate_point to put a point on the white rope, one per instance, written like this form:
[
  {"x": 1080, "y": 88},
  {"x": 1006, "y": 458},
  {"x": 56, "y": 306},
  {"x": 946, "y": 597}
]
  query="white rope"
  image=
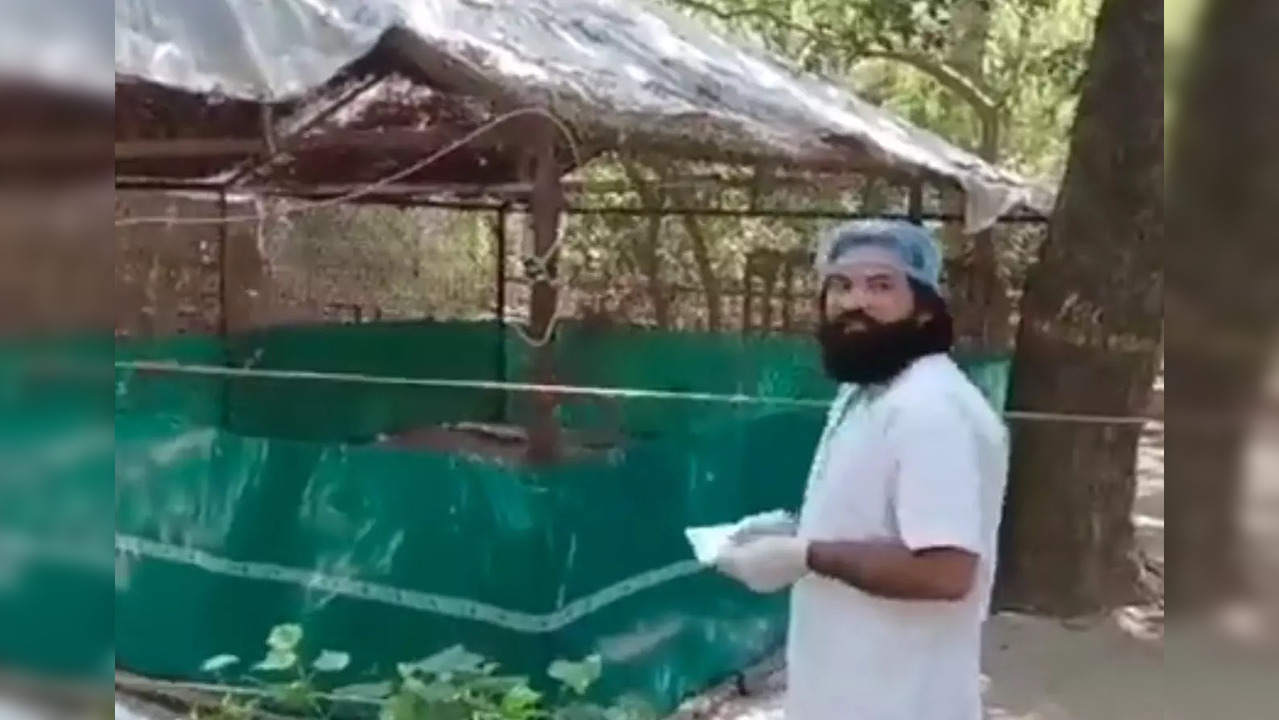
[
  {"x": 548, "y": 332},
  {"x": 542, "y": 275},
  {"x": 613, "y": 392}
]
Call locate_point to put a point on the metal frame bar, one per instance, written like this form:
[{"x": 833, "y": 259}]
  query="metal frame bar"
[
  {"x": 500, "y": 252},
  {"x": 431, "y": 197},
  {"x": 272, "y": 148},
  {"x": 224, "y": 320},
  {"x": 224, "y": 253},
  {"x": 915, "y": 204},
  {"x": 252, "y": 148},
  {"x": 513, "y": 191},
  {"x": 1026, "y": 218}
]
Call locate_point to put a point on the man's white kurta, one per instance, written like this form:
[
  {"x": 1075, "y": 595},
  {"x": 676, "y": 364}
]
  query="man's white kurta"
[{"x": 923, "y": 461}]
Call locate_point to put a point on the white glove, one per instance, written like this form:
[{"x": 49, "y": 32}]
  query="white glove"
[
  {"x": 770, "y": 523},
  {"x": 766, "y": 564}
]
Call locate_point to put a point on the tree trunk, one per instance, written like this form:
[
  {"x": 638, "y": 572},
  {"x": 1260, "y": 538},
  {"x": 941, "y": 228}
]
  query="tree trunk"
[
  {"x": 648, "y": 248},
  {"x": 983, "y": 317},
  {"x": 1222, "y": 258},
  {"x": 1089, "y": 336},
  {"x": 706, "y": 273}
]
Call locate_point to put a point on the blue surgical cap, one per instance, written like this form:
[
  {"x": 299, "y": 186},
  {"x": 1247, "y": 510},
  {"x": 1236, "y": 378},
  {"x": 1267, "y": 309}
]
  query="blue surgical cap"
[{"x": 909, "y": 247}]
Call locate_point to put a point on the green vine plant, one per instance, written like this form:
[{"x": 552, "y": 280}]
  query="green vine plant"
[{"x": 455, "y": 684}]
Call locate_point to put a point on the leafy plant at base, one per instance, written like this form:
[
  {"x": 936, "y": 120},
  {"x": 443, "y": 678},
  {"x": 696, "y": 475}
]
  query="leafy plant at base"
[
  {"x": 454, "y": 684},
  {"x": 291, "y": 688}
]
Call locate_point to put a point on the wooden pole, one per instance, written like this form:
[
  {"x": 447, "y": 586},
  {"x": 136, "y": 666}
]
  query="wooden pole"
[
  {"x": 915, "y": 203},
  {"x": 224, "y": 319},
  {"x": 500, "y": 250},
  {"x": 546, "y": 204}
]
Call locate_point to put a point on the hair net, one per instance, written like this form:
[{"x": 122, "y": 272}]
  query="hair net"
[{"x": 904, "y": 245}]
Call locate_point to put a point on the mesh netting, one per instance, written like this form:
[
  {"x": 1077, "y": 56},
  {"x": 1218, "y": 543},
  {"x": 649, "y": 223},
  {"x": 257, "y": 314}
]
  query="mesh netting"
[{"x": 341, "y": 444}]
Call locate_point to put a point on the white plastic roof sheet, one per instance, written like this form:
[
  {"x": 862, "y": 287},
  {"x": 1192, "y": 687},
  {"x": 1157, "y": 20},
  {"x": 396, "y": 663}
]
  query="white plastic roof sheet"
[
  {"x": 65, "y": 44},
  {"x": 624, "y": 65}
]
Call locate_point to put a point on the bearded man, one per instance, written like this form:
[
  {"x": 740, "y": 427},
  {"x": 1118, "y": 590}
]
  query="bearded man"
[{"x": 891, "y": 562}]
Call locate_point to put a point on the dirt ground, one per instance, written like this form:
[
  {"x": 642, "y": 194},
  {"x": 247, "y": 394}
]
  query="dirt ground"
[{"x": 1111, "y": 670}]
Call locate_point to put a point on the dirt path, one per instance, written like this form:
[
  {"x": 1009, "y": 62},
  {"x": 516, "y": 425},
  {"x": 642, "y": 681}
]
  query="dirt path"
[{"x": 1043, "y": 670}]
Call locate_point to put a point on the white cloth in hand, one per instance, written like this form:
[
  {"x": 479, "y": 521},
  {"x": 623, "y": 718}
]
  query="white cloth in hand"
[
  {"x": 709, "y": 541},
  {"x": 777, "y": 522},
  {"x": 766, "y": 564}
]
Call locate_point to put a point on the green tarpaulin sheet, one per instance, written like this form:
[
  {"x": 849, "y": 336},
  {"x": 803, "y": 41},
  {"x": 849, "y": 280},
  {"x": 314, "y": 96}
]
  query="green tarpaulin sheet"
[{"x": 244, "y": 503}]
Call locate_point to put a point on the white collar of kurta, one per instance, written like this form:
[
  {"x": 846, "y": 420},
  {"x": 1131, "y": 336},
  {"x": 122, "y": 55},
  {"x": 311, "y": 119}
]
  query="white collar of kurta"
[
  {"x": 851, "y": 396},
  {"x": 848, "y": 398}
]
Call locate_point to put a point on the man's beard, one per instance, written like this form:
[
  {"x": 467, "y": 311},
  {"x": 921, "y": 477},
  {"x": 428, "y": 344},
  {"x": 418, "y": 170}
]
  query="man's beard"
[{"x": 856, "y": 349}]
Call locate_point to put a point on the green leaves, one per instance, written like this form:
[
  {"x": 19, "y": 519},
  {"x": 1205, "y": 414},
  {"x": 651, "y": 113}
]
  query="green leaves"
[
  {"x": 520, "y": 702},
  {"x": 1030, "y": 55},
  {"x": 295, "y": 696},
  {"x": 331, "y": 661},
  {"x": 277, "y": 661},
  {"x": 453, "y": 684},
  {"x": 366, "y": 691},
  {"x": 577, "y": 676},
  {"x": 454, "y": 660},
  {"x": 434, "y": 692},
  {"x": 285, "y": 638},
  {"x": 218, "y": 663},
  {"x": 283, "y": 653}
]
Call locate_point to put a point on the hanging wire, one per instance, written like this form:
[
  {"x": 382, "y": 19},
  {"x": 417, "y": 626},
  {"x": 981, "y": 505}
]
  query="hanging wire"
[{"x": 299, "y": 206}]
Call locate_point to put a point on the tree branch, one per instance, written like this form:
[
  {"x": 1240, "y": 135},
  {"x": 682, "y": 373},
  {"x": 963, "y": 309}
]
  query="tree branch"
[
  {"x": 749, "y": 13},
  {"x": 953, "y": 79},
  {"x": 944, "y": 74}
]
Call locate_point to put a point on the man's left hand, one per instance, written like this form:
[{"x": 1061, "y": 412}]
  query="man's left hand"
[{"x": 766, "y": 564}]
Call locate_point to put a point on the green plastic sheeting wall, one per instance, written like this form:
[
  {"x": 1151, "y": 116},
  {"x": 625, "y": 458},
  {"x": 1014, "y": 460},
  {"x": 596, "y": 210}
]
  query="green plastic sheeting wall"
[
  {"x": 244, "y": 503},
  {"x": 314, "y": 410},
  {"x": 56, "y": 463},
  {"x": 317, "y": 410}
]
